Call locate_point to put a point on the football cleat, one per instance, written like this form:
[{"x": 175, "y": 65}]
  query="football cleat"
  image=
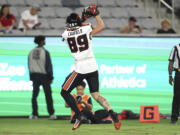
[
  {"x": 76, "y": 124},
  {"x": 117, "y": 123}
]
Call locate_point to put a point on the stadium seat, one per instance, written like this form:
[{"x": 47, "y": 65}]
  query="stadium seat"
[
  {"x": 109, "y": 32},
  {"x": 105, "y": 12},
  {"x": 137, "y": 12},
  {"x": 21, "y": 10},
  {"x": 14, "y": 11},
  {"x": 119, "y": 12},
  {"x": 33, "y": 32},
  {"x": 85, "y": 3},
  {"x": 79, "y": 10},
  {"x": 176, "y": 4},
  {"x": 115, "y": 14},
  {"x": 44, "y": 23},
  {"x": 53, "y": 3},
  {"x": 16, "y": 2},
  {"x": 145, "y": 31},
  {"x": 47, "y": 12},
  {"x": 32, "y": 2},
  {"x": 62, "y": 12},
  {"x": 150, "y": 24},
  {"x": 57, "y": 23},
  {"x": 71, "y": 3},
  {"x": 18, "y": 32},
  {"x": 124, "y": 21},
  {"x": 126, "y": 3},
  {"x": 53, "y": 32},
  {"x": 2, "y": 2},
  {"x": 113, "y": 23},
  {"x": 105, "y": 3}
]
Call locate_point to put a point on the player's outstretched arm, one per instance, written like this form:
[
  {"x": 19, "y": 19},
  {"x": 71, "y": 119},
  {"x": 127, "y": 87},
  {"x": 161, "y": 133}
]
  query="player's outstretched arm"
[
  {"x": 92, "y": 10},
  {"x": 100, "y": 26}
]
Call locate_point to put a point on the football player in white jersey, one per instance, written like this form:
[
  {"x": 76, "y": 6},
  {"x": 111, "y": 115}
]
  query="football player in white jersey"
[{"x": 78, "y": 38}]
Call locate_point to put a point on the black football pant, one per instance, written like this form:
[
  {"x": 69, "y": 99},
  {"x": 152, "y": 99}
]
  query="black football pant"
[
  {"x": 48, "y": 95},
  {"x": 72, "y": 80},
  {"x": 176, "y": 98}
]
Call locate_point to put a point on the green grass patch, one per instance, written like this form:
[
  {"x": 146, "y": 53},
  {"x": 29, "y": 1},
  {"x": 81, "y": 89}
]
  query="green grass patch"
[{"x": 63, "y": 127}]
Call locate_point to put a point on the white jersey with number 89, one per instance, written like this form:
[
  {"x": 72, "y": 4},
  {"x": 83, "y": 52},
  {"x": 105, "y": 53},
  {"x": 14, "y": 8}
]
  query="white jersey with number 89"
[{"x": 79, "y": 42}]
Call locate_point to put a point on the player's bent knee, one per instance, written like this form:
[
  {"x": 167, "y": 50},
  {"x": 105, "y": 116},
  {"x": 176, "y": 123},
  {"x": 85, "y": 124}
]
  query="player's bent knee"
[
  {"x": 63, "y": 92},
  {"x": 95, "y": 96}
]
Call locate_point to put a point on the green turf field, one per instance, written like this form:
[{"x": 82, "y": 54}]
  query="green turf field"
[
  {"x": 63, "y": 127},
  {"x": 120, "y": 100}
]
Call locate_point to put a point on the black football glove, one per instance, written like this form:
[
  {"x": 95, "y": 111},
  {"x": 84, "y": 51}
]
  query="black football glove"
[
  {"x": 89, "y": 12},
  {"x": 78, "y": 99},
  {"x": 85, "y": 14},
  {"x": 94, "y": 10}
]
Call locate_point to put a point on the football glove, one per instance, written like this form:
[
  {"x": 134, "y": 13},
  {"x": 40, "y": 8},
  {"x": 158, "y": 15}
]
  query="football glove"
[
  {"x": 93, "y": 9},
  {"x": 89, "y": 12},
  {"x": 78, "y": 99},
  {"x": 85, "y": 15}
]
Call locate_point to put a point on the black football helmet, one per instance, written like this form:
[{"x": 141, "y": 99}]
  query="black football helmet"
[{"x": 73, "y": 20}]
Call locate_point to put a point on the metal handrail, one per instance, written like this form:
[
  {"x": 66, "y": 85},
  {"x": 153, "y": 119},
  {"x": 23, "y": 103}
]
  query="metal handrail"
[
  {"x": 170, "y": 8},
  {"x": 167, "y": 5}
]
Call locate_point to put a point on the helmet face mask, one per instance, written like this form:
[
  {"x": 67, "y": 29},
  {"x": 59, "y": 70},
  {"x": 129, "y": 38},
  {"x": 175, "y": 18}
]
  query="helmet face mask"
[{"x": 73, "y": 20}]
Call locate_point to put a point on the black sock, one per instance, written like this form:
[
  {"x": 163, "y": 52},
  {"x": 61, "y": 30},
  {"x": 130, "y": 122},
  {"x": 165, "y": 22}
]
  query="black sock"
[
  {"x": 70, "y": 101},
  {"x": 111, "y": 112},
  {"x": 113, "y": 115}
]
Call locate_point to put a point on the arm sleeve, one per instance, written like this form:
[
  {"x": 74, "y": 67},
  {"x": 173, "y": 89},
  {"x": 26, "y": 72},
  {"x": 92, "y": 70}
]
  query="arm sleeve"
[
  {"x": 48, "y": 67},
  {"x": 172, "y": 54},
  {"x": 89, "y": 101}
]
